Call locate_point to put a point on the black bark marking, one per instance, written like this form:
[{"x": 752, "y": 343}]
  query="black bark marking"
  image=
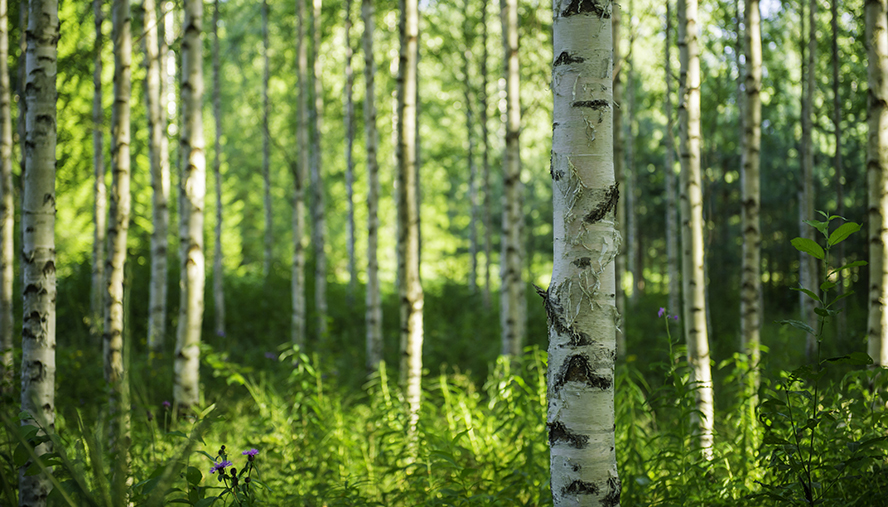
[
  {"x": 576, "y": 368},
  {"x": 612, "y": 498},
  {"x": 580, "y": 488},
  {"x": 607, "y": 205},
  {"x": 49, "y": 268},
  {"x": 586, "y": 7},
  {"x": 558, "y": 432},
  {"x": 554, "y": 312},
  {"x": 565, "y": 59},
  {"x": 583, "y": 262},
  {"x": 597, "y": 105}
]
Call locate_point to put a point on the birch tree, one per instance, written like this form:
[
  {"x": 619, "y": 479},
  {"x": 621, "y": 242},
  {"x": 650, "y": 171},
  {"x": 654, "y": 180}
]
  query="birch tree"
[
  {"x": 374, "y": 293},
  {"x": 349, "y": 153},
  {"x": 218, "y": 275},
  {"x": 318, "y": 220},
  {"x": 467, "y": 29},
  {"x": 186, "y": 388},
  {"x": 512, "y": 295},
  {"x": 580, "y": 300},
  {"x": 118, "y": 225},
  {"x": 877, "y": 183},
  {"x": 266, "y": 173},
  {"x": 693, "y": 275},
  {"x": 97, "y": 288},
  {"x": 751, "y": 283},
  {"x": 807, "y": 263},
  {"x": 672, "y": 260},
  {"x": 7, "y": 212},
  {"x": 38, "y": 239},
  {"x": 298, "y": 272},
  {"x": 410, "y": 287},
  {"x": 159, "y": 160}
]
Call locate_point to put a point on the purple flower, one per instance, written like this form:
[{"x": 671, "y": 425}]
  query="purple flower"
[
  {"x": 251, "y": 452},
  {"x": 661, "y": 313},
  {"x": 674, "y": 317},
  {"x": 220, "y": 467},
  {"x": 271, "y": 355},
  {"x": 166, "y": 404}
]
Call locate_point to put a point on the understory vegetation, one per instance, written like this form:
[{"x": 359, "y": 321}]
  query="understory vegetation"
[{"x": 326, "y": 434}]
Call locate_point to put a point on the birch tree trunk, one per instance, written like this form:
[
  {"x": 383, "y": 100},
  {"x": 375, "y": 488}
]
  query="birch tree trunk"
[
  {"x": 97, "y": 289},
  {"x": 38, "y": 237},
  {"x": 298, "y": 273},
  {"x": 750, "y": 309},
  {"x": 620, "y": 210},
  {"x": 410, "y": 287},
  {"x": 158, "y": 155},
  {"x": 186, "y": 387},
  {"x": 877, "y": 183},
  {"x": 512, "y": 299},
  {"x": 580, "y": 301},
  {"x": 349, "y": 152},
  {"x": 693, "y": 274},
  {"x": 672, "y": 260},
  {"x": 374, "y": 293},
  {"x": 485, "y": 159},
  {"x": 118, "y": 218},
  {"x": 218, "y": 274},
  {"x": 7, "y": 211},
  {"x": 266, "y": 173},
  {"x": 470, "y": 160},
  {"x": 807, "y": 264},
  {"x": 318, "y": 221}
]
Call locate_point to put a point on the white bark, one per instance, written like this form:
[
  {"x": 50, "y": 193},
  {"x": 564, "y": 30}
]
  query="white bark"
[
  {"x": 877, "y": 182},
  {"x": 156, "y": 105},
  {"x": 298, "y": 268},
  {"x": 374, "y": 293},
  {"x": 409, "y": 287},
  {"x": 186, "y": 387},
  {"x": 7, "y": 212},
  {"x": 580, "y": 301},
  {"x": 512, "y": 304},
  {"x": 38, "y": 236},
  {"x": 100, "y": 200},
  {"x": 751, "y": 284},
  {"x": 218, "y": 274},
  {"x": 693, "y": 274},
  {"x": 318, "y": 220}
]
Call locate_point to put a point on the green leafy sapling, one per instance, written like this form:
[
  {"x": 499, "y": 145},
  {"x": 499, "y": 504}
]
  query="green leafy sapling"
[{"x": 792, "y": 421}]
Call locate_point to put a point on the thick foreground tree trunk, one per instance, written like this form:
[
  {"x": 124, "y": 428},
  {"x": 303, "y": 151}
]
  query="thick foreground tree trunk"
[
  {"x": 582, "y": 344},
  {"x": 97, "y": 299}
]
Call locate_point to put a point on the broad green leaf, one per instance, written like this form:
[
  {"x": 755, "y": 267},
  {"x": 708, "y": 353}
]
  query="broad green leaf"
[
  {"x": 193, "y": 476},
  {"x": 842, "y": 232},
  {"x": 807, "y": 292},
  {"x": 826, "y": 286},
  {"x": 825, "y": 312},
  {"x": 206, "y": 411},
  {"x": 854, "y": 358},
  {"x": 850, "y": 265},
  {"x": 808, "y": 246},
  {"x": 20, "y": 455},
  {"x": 820, "y": 226},
  {"x": 799, "y": 325}
]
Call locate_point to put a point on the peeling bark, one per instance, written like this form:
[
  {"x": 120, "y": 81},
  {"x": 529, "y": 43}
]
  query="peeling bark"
[
  {"x": 374, "y": 293},
  {"x": 581, "y": 301}
]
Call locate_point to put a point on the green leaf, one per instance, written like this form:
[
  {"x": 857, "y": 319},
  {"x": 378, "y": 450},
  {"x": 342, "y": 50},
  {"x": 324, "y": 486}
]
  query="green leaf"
[
  {"x": 825, "y": 312},
  {"x": 850, "y": 265},
  {"x": 799, "y": 325},
  {"x": 206, "y": 411},
  {"x": 820, "y": 226},
  {"x": 826, "y": 286},
  {"x": 206, "y": 501},
  {"x": 842, "y": 232},
  {"x": 20, "y": 455},
  {"x": 807, "y": 292},
  {"x": 773, "y": 440},
  {"x": 193, "y": 475},
  {"x": 808, "y": 246},
  {"x": 854, "y": 359}
]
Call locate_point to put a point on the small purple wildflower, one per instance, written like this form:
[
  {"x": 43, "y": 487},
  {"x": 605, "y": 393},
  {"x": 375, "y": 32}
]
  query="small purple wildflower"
[
  {"x": 661, "y": 313},
  {"x": 166, "y": 404},
  {"x": 220, "y": 467},
  {"x": 674, "y": 317},
  {"x": 251, "y": 452},
  {"x": 271, "y": 355}
]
